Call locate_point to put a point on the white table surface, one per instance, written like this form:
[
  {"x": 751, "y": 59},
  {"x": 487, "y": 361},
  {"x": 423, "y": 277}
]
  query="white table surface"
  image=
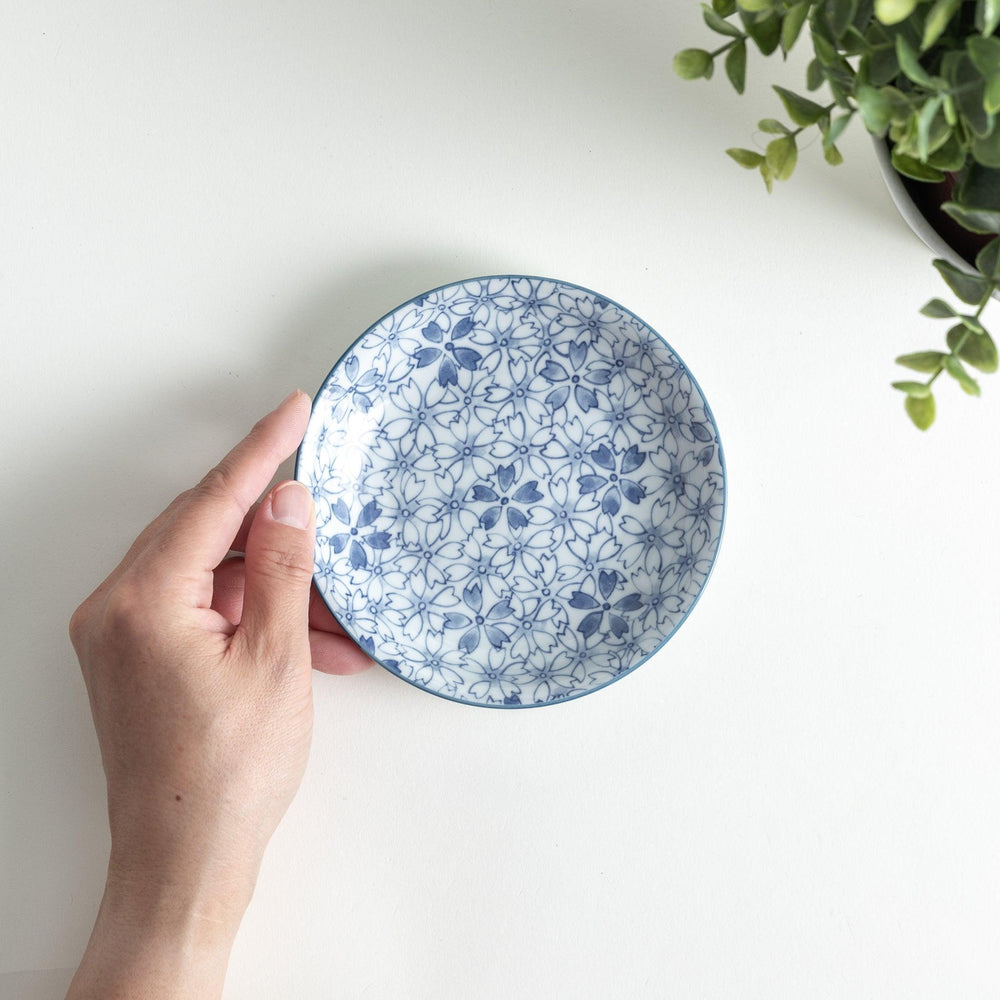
[{"x": 201, "y": 205}]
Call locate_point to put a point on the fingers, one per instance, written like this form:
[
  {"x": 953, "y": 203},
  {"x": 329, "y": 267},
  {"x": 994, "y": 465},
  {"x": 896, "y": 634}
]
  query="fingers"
[
  {"x": 206, "y": 523},
  {"x": 336, "y": 654},
  {"x": 239, "y": 543},
  {"x": 227, "y": 590},
  {"x": 279, "y": 568}
]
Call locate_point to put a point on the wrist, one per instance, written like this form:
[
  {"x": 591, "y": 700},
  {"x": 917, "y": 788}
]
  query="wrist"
[
  {"x": 162, "y": 938},
  {"x": 201, "y": 915}
]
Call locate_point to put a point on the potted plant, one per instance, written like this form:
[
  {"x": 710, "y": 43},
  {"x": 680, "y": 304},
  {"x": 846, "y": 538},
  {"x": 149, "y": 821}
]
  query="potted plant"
[{"x": 924, "y": 78}]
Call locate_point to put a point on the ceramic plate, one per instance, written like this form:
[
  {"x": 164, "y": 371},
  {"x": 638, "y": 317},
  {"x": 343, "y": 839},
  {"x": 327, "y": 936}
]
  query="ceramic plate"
[{"x": 520, "y": 491}]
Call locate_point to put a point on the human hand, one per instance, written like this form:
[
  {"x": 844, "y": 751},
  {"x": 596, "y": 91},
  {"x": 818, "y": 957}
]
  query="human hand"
[{"x": 198, "y": 671}]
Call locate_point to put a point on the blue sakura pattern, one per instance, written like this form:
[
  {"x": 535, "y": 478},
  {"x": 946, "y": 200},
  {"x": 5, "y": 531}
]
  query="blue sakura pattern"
[
  {"x": 460, "y": 356},
  {"x": 519, "y": 487},
  {"x": 499, "y": 501},
  {"x": 352, "y": 539}
]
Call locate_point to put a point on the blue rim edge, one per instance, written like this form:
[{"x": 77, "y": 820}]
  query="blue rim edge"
[{"x": 722, "y": 460}]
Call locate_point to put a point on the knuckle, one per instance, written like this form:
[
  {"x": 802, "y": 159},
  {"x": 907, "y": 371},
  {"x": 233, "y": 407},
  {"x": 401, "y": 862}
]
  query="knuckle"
[
  {"x": 219, "y": 485},
  {"x": 285, "y": 562},
  {"x": 123, "y": 609},
  {"x": 184, "y": 498},
  {"x": 79, "y": 622}
]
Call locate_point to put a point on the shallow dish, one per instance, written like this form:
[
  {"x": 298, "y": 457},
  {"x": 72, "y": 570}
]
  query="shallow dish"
[{"x": 520, "y": 491}]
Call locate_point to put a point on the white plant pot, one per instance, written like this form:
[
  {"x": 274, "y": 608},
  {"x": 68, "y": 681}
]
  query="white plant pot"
[{"x": 909, "y": 210}]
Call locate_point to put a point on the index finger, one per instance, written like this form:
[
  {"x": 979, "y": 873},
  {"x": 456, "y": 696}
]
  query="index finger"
[{"x": 204, "y": 525}]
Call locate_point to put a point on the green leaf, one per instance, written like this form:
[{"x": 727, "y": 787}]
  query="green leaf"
[
  {"x": 985, "y": 56},
  {"x": 910, "y": 64},
  {"x": 754, "y": 6},
  {"x": 801, "y": 110},
  {"x": 894, "y": 11},
  {"x": 950, "y": 156},
  {"x": 988, "y": 260},
  {"x": 920, "y": 410},
  {"x": 690, "y": 64},
  {"x": 938, "y": 309},
  {"x": 918, "y": 389},
  {"x": 978, "y": 186},
  {"x": 773, "y": 127},
  {"x": 955, "y": 369},
  {"x": 991, "y": 95},
  {"x": 840, "y": 14},
  {"x": 950, "y": 111},
  {"x": 832, "y": 155},
  {"x": 980, "y": 352},
  {"x": 987, "y": 150},
  {"x": 825, "y": 50},
  {"x": 724, "y": 8},
  {"x": 876, "y": 107},
  {"x": 984, "y": 53},
  {"x": 765, "y": 30},
  {"x": 924, "y": 121},
  {"x": 746, "y": 158},
  {"x": 736, "y": 66},
  {"x": 987, "y": 16},
  {"x": 908, "y": 166},
  {"x": 791, "y": 25},
  {"x": 976, "y": 220},
  {"x": 922, "y": 361},
  {"x": 937, "y": 20},
  {"x": 836, "y": 129},
  {"x": 768, "y": 174},
  {"x": 719, "y": 24},
  {"x": 881, "y": 64},
  {"x": 782, "y": 155},
  {"x": 814, "y": 75},
  {"x": 970, "y": 288},
  {"x": 969, "y": 93}
]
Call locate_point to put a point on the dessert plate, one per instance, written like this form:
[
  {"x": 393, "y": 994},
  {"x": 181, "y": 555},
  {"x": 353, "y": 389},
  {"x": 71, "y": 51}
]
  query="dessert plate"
[{"x": 520, "y": 491}]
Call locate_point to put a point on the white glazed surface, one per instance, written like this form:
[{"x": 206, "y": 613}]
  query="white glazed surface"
[{"x": 519, "y": 487}]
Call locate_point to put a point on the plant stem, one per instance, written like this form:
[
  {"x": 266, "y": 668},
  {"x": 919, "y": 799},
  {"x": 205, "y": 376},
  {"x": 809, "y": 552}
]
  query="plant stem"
[
  {"x": 954, "y": 353},
  {"x": 728, "y": 46}
]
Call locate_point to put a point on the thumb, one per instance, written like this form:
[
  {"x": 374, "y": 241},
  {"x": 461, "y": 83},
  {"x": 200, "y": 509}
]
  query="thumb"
[{"x": 279, "y": 570}]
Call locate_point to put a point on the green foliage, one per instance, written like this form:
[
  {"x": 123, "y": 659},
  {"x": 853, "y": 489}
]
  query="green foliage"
[
  {"x": 925, "y": 76},
  {"x": 921, "y": 410},
  {"x": 690, "y": 64},
  {"x": 736, "y": 66},
  {"x": 922, "y": 361}
]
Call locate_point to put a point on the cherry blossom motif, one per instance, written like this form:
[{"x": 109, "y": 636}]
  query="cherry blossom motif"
[
  {"x": 546, "y": 678},
  {"x": 519, "y": 491},
  {"x": 574, "y": 377},
  {"x": 527, "y": 445},
  {"x": 588, "y": 316},
  {"x": 494, "y": 681},
  {"x": 615, "y": 477},
  {"x": 659, "y": 591},
  {"x": 433, "y": 665},
  {"x": 597, "y": 603},
  {"x": 355, "y": 539},
  {"x": 567, "y": 512},
  {"x": 471, "y": 560},
  {"x": 506, "y": 499},
  {"x": 451, "y": 354},
  {"x": 485, "y": 623}
]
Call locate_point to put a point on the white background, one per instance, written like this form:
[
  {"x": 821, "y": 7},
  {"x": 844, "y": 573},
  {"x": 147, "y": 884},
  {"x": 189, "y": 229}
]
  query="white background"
[{"x": 201, "y": 205}]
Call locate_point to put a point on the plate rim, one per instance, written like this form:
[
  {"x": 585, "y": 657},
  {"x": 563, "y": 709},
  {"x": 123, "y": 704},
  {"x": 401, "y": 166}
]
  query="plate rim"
[{"x": 722, "y": 461}]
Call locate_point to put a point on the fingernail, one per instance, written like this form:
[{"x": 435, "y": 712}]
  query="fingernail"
[
  {"x": 290, "y": 397},
  {"x": 291, "y": 504}
]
